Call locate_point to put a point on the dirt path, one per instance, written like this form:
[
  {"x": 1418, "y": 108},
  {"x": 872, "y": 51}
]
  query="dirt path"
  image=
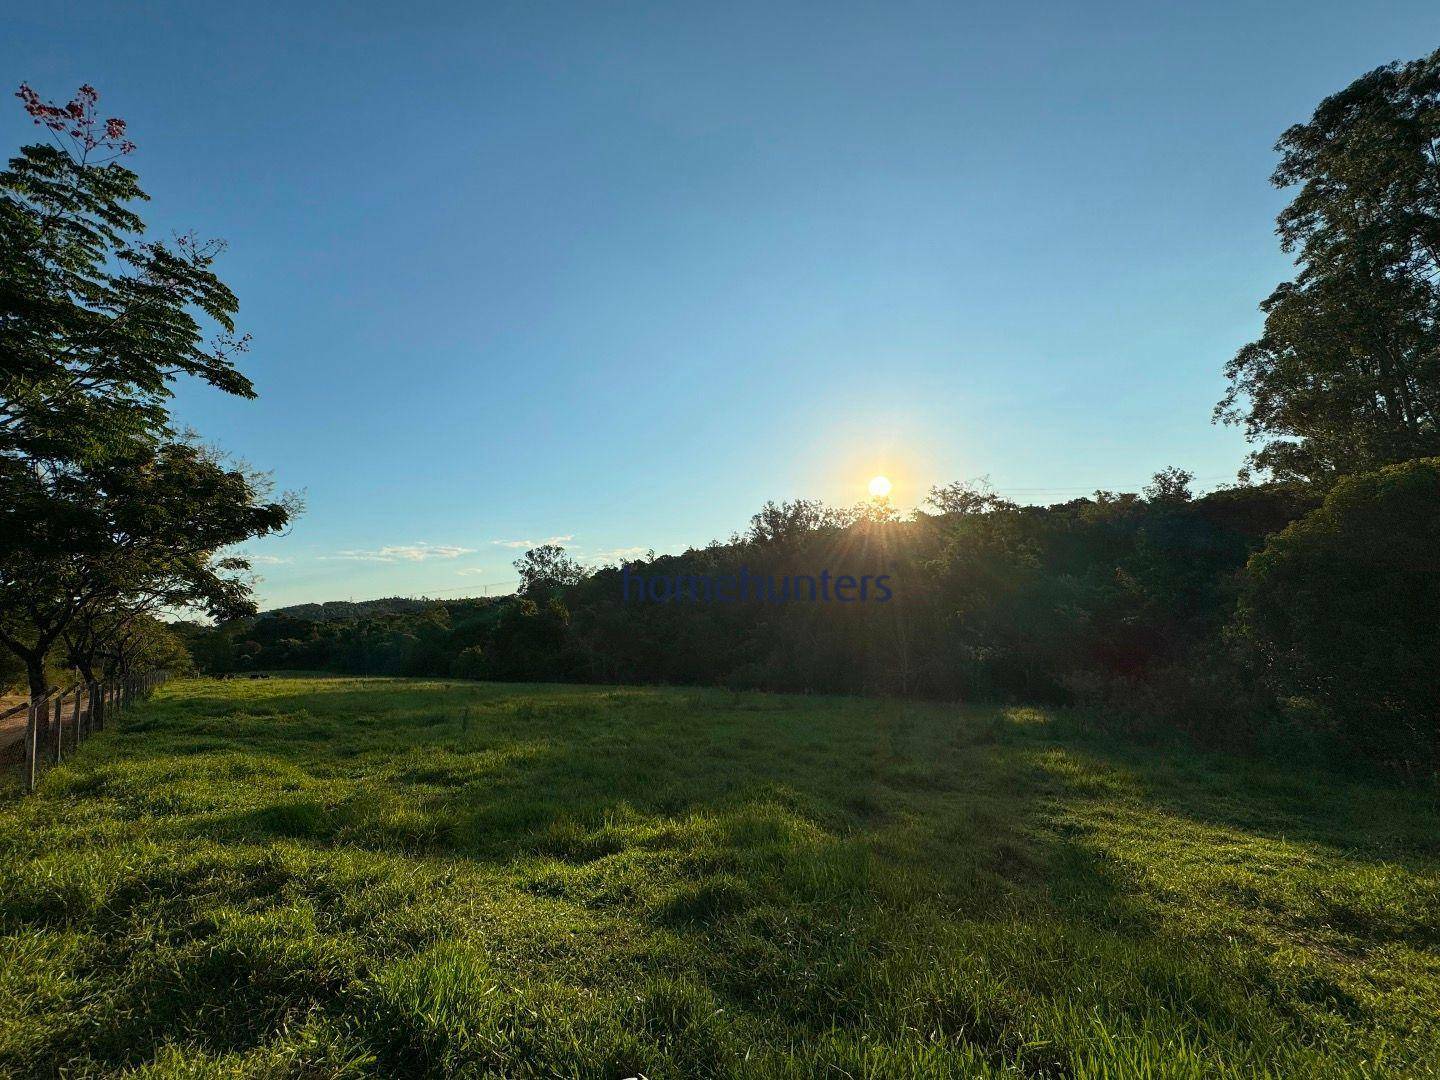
[{"x": 12, "y": 729}]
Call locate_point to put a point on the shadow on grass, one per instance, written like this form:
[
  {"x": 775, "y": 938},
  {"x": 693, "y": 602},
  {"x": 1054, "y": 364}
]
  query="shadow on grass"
[{"x": 821, "y": 864}]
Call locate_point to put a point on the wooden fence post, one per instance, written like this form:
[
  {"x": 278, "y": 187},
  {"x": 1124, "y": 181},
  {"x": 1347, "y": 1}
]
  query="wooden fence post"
[
  {"x": 59, "y": 731},
  {"x": 45, "y": 726},
  {"x": 32, "y": 747}
]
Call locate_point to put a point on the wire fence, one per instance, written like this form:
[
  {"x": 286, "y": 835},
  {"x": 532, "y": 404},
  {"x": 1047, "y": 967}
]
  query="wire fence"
[{"x": 55, "y": 725}]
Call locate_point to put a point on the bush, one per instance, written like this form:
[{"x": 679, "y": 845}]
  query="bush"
[
  {"x": 469, "y": 663},
  {"x": 1341, "y": 609}
]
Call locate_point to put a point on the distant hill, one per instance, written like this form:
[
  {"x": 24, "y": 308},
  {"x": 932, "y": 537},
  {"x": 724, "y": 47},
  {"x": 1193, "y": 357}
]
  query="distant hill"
[{"x": 349, "y": 610}]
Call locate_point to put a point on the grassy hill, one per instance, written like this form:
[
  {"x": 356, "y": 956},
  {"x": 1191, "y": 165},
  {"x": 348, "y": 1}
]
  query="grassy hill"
[{"x": 332, "y": 877}]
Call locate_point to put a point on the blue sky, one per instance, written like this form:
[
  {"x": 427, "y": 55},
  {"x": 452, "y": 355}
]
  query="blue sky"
[{"x": 620, "y": 273}]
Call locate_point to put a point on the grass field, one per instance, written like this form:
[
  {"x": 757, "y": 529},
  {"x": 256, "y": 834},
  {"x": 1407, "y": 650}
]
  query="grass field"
[{"x": 369, "y": 877}]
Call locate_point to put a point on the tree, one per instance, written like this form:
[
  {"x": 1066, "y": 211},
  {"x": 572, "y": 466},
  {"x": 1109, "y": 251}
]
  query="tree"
[
  {"x": 967, "y": 497},
  {"x": 95, "y": 321},
  {"x": 106, "y": 516},
  {"x": 1170, "y": 486},
  {"x": 529, "y": 640},
  {"x": 141, "y": 643},
  {"x": 545, "y": 569},
  {"x": 131, "y": 536},
  {"x": 1340, "y": 609},
  {"x": 1346, "y": 375},
  {"x": 791, "y": 522}
]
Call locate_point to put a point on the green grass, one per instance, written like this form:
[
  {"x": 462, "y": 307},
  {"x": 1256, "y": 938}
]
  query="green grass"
[{"x": 327, "y": 877}]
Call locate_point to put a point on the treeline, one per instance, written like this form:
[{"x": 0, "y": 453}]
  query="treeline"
[
  {"x": 352, "y": 609},
  {"x": 1086, "y": 600},
  {"x": 1212, "y": 614},
  {"x": 110, "y": 517}
]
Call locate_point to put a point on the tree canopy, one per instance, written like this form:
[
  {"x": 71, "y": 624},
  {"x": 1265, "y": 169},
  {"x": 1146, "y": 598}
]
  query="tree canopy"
[{"x": 1346, "y": 375}]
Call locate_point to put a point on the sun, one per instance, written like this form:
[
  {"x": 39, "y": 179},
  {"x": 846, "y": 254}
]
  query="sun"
[{"x": 879, "y": 487}]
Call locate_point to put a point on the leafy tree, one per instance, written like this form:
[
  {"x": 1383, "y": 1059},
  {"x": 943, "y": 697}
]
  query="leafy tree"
[
  {"x": 1346, "y": 375},
  {"x": 1170, "y": 486},
  {"x": 106, "y": 516},
  {"x": 779, "y": 523},
  {"x": 143, "y": 643},
  {"x": 131, "y": 535},
  {"x": 1341, "y": 605},
  {"x": 966, "y": 497},
  {"x": 96, "y": 321},
  {"x": 529, "y": 641},
  {"x": 470, "y": 663},
  {"x": 545, "y": 569}
]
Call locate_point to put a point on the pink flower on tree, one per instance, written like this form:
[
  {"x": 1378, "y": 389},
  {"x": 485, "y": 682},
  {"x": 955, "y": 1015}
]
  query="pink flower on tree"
[{"x": 77, "y": 119}]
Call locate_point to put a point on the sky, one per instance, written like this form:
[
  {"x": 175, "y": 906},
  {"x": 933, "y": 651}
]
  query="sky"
[{"x": 614, "y": 275}]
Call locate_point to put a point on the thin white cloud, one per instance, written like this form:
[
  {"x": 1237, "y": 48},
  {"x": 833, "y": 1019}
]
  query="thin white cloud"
[
  {"x": 535, "y": 543},
  {"x": 417, "y": 552},
  {"x": 615, "y": 555},
  {"x": 269, "y": 560}
]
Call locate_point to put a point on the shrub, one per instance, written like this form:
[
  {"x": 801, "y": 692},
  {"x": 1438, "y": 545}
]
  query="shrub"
[
  {"x": 1341, "y": 608},
  {"x": 469, "y": 663}
]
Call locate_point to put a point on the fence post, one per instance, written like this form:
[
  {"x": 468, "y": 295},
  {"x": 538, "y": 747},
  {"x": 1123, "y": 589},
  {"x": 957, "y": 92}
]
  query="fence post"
[
  {"x": 59, "y": 731},
  {"x": 45, "y": 726},
  {"x": 31, "y": 745}
]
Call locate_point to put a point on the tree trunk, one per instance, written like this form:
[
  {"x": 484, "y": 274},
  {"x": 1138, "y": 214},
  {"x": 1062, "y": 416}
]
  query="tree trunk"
[{"x": 35, "y": 673}]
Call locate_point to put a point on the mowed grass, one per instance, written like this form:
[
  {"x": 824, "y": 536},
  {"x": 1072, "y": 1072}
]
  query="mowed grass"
[{"x": 335, "y": 877}]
